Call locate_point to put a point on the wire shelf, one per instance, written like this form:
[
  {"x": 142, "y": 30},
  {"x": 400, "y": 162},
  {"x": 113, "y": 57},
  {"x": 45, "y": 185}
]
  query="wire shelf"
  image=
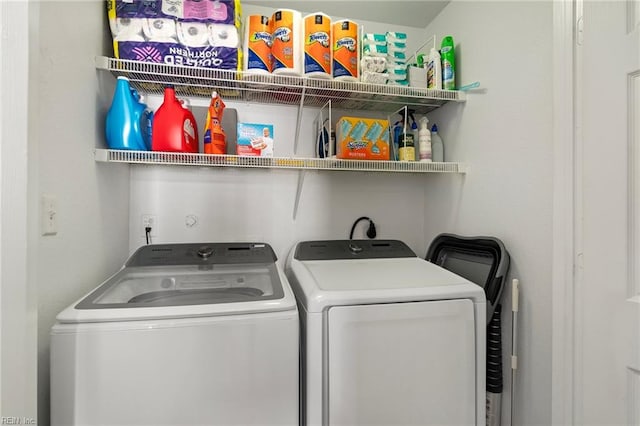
[
  {"x": 279, "y": 89},
  {"x": 208, "y": 160}
]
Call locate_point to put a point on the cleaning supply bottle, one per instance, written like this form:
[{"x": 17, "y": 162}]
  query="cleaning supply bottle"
[
  {"x": 397, "y": 131},
  {"x": 434, "y": 70},
  {"x": 437, "y": 147},
  {"x": 424, "y": 141},
  {"x": 146, "y": 122},
  {"x": 448, "y": 64},
  {"x": 406, "y": 146},
  {"x": 127, "y": 119},
  {"x": 215, "y": 140},
  {"x": 174, "y": 127},
  {"x": 414, "y": 132}
]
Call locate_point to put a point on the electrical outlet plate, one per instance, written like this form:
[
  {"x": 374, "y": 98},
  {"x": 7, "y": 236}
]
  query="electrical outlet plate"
[
  {"x": 49, "y": 215},
  {"x": 150, "y": 220}
]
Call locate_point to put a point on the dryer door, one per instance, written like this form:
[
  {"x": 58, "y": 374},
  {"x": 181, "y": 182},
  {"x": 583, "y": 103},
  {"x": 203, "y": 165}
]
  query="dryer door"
[{"x": 402, "y": 364}]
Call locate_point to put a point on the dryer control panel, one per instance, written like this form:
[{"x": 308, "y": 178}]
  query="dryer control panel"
[{"x": 352, "y": 249}]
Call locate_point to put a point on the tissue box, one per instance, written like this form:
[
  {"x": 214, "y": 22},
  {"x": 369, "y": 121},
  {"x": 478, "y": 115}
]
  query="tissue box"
[
  {"x": 196, "y": 33},
  {"x": 255, "y": 140},
  {"x": 362, "y": 138},
  {"x": 417, "y": 76}
]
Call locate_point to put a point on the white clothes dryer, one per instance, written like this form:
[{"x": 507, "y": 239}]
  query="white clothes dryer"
[
  {"x": 183, "y": 334},
  {"x": 387, "y": 338}
]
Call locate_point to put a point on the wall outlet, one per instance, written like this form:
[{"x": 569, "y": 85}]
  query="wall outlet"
[{"x": 151, "y": 221}]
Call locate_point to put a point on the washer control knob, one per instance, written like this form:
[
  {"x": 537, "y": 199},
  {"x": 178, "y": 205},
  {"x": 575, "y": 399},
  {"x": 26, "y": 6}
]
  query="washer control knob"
[
  {"x": 354, "y": 248},
  {"x": 205, "y": 251}
]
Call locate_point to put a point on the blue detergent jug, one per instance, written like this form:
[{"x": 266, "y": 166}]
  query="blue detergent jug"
[{"x": 128, "y": 120}]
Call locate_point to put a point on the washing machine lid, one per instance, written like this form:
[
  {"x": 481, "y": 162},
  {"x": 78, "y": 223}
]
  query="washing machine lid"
[
  {"x": 349, "y": 272},
  {"x": 188, "y": 280}
]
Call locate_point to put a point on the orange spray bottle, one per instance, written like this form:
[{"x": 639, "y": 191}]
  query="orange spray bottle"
[{"x": 215, "y": 141}]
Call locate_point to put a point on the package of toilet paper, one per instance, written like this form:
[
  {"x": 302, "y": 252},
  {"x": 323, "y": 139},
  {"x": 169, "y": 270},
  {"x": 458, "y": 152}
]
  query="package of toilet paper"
[{"x": 195, "y": 33}]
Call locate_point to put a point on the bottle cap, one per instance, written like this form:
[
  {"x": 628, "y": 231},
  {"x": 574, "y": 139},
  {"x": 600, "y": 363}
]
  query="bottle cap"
[{"x": 434, "y": 128}]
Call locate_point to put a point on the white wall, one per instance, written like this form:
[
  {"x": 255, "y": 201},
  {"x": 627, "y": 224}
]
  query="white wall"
[
  {"x": 18, "y": 315},
  {"x": 250, "y": 205},
  {"x": 93, "y": 199},
  {"x": 504, "y": 132}
]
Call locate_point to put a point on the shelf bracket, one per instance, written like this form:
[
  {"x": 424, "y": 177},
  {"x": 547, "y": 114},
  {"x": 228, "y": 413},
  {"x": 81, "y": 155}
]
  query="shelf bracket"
[
  {"x": 102, "y": 62},
  {"x": 320, "y": 126},
  {"x": 301, "y": 174},
  {"x": 300, "y": 108}
]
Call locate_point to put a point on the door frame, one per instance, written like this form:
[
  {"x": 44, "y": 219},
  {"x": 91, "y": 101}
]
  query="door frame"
[
  {"x": 18, "y": 300},
  {"x": 566, "y": 257}
]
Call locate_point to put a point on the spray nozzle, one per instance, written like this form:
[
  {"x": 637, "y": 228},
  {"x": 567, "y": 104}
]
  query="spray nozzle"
[
  {"x": 406, "y": 114},
  {"x": 413, "y": 120}
]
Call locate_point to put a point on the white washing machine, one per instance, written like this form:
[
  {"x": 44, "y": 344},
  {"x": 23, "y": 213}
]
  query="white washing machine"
[
  {"x": 387, "y": 338},
  {"x": 183, "y": 334}
]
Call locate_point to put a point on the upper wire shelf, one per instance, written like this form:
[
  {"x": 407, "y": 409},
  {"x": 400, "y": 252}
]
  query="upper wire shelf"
[
  {"x": 276, "y": 89},
  {"x": 208, "y": 160}
]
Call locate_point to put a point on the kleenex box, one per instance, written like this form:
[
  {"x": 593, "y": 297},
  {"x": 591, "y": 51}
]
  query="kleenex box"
[{"x": 417, "y": 76}]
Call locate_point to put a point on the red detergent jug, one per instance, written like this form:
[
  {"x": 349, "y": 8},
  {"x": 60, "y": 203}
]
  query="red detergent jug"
[{"x": 174, "y": 127}]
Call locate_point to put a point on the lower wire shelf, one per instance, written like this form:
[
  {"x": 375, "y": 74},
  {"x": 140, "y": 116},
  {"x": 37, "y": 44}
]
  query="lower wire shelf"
[{"x": 294, "y": 163}]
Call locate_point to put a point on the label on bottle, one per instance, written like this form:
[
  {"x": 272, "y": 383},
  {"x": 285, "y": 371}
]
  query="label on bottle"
[
  {"x": 406, "y": 148},
  {"x": 425, "y": 152},
  {"x": 190, "y": 136},
  {"x": 407, "y": 154},
  {"x": 448, "y": 82},
  {"x": 431, "y": 70}
]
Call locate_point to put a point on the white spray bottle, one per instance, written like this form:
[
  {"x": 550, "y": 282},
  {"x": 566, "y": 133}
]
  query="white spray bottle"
[
  {"x": 434, "y": 70},
  {"x": 424, "y": 140},
  {"x": 437, "y": 147}
]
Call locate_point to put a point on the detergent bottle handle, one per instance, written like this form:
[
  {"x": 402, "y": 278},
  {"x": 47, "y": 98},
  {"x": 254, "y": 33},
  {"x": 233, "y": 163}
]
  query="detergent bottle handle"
[{"x": 146, "y": 130}]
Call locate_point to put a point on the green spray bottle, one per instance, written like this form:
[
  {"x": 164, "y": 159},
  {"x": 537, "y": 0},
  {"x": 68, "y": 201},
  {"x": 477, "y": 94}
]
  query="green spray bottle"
[{"x": 448, "y": 64}]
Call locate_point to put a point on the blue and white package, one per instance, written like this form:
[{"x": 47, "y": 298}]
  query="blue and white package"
[
  {"x": 255, "y": 140},
  {"x": 196, "y": 33}
]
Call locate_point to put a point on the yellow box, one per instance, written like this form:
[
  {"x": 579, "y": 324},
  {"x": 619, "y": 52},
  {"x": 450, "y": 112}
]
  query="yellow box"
[{"x": 362, "y": 138}]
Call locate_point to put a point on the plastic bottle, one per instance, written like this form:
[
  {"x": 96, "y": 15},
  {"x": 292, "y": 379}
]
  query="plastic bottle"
[
  {"x": 414, "y": 132},
  {"x": 448, "y": 64},
  {"x": 437, "y": 147},
  {"x": 406, "y": 144},
  {"x": 424, "y": 141},
  {"x": 397, "y": 131},
  {"x": 215, "y": 140},
  {"x": 174, "y": 127},
  {"x": 146, "y": 122},
  {"x": 434, "y": 70},
  {"x": 126, "y": 124}
]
